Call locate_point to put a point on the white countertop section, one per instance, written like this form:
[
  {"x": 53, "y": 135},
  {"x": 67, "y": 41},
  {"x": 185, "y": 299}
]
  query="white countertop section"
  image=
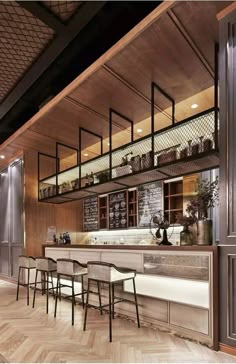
[{"x": 185, "y": 291}]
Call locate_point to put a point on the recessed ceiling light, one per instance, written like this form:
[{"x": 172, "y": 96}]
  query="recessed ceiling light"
[
  {"x": 2, "y": 156},
  {"x": 194, "y": 106},
  {"x": 139, "y": 130},
  {"x": 86, "y": 154}
]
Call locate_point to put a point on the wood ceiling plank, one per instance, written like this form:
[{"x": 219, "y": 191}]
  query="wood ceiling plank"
[
  {"x": 201, "y": 26},
  {"x": 103, "y": 91},
  {"x": 161, "y": 54},
  {"x": 132, "y": 34}
]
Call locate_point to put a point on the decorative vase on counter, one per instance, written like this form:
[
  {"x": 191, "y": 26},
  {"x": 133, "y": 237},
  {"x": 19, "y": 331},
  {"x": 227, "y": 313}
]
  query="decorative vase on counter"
[
  {"x": 186, "y": 237},
  {"x": 204, "y": 232}
]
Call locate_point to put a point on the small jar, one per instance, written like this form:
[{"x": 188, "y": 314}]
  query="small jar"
[
  {"x": 195, "y": 149},
  {"x": 183, "y": 153},
  {"x": 207, "y": 145}
]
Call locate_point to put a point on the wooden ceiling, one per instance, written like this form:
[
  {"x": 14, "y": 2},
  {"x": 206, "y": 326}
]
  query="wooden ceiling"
[{"x": 174, "y": 47}]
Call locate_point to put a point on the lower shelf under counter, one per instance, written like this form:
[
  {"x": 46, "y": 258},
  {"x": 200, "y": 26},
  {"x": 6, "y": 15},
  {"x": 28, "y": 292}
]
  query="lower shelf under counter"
[{"x": 177, "y": 286}]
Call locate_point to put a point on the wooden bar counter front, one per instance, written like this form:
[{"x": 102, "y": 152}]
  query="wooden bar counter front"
[{"x": 177, "y": 287}]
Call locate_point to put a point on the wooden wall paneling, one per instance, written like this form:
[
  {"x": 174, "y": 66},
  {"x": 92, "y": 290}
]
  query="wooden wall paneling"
[
  {"x": 38, "y": 215},
  {"x": 227, "y": 177},
  {"x": 67, "y": 219},
  {"x": 228, "y": 129},
  {"x": 182, "y": 315}
]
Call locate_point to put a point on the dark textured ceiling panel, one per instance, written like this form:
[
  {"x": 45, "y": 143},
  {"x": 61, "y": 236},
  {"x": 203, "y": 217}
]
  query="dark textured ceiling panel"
[
  {"x": 62, "y": 9},
  {"x": 22, "y": 38}
]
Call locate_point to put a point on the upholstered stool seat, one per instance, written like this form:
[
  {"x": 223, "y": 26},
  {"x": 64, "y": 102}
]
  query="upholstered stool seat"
[
  {"x": 110, "y": 274},
  {"x": 46, "y": 266},
  {"x": 73, "y": 269},
  {"x": 26, "y": 263}
]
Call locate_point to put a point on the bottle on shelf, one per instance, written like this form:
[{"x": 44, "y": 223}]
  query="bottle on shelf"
[
  {"x": 60, "y": 239},
  {"x": 91, "y": 179},
  {"x": 67, "y": 238},
  {"x": 86, "y": 180}
]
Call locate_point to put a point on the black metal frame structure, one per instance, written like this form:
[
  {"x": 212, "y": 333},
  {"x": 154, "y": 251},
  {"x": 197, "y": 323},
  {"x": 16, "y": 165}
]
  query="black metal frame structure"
[{"x": 172, "y": 166}]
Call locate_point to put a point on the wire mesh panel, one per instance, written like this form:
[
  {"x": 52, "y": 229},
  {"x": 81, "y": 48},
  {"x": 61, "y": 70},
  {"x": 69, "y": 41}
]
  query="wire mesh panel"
[
  {"x": 47, "y": 188},
  {"x": 68, "y": 180},
  {"x": 22, "y": 38},
  {"x": 182, "y": 167},
  {"x": 134, "y": 158},
  {"x": 62, "y": 9},
  {"x": 185, "y": 140},
  {"x": 95, "y": 171},
  {"x": 142, "y": 178}
]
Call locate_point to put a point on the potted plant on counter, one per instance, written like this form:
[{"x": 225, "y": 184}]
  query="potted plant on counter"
[
  {"x": 186, "y": 235},
  {"x": 207, "y": 196}
]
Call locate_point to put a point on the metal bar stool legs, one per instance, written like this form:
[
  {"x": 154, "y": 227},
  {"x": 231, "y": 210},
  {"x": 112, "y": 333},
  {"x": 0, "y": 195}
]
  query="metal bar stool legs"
[
  {"x": 136, "y": 302},
  {"x": 25, "y": 264},
  {"x": 70, "y": 269},
  {"x": 18, "y": 284},
  {"x": 86, "y": 306},
  {"x": 46, "y": 266},
  {"x": 110, "y": 274}
]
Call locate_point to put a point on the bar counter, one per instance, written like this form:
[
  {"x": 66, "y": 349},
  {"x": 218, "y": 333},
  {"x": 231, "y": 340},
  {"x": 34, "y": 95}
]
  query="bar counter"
[{"x": 177, "y": 286}]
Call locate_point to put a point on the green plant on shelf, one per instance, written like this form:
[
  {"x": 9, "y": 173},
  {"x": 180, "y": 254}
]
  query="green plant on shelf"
[{"x": 207, "y": 196}]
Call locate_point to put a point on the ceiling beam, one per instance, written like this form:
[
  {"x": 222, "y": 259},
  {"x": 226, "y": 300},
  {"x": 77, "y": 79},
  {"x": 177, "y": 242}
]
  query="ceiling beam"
[
  {"x": 135, "y": 90},
  {"x": 42, "y": 13},
  {"x": 190, "y": 41},
  {"x": 78, "y": 22}
]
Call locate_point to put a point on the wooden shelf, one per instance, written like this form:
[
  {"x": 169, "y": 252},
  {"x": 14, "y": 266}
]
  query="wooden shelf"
[
  {"x": 174, "y": 210},
  {"x": 103, "y": 212},
  {"x": 173, "y": 199},
  {"x": 132, "y": 201},
  {"x": 176, "y": 195}
]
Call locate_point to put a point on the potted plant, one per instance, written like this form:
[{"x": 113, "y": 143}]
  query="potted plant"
[
  {"x": 186, "y": 236},
  {"x": 207, "y": 196}
]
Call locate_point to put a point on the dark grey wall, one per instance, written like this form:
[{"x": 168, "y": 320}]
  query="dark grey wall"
[
  {"x": 11, "y": 218},
  {"x": 228, "y": 179}
]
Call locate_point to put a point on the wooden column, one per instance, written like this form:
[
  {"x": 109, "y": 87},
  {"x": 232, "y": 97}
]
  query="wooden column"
[{"x": 227, "y": 23}]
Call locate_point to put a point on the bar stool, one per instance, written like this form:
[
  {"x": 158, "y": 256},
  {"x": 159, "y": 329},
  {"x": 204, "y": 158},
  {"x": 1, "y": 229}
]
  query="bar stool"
[
  {"x": 25, "y": 263},
  {"x": 110, "y": 274},
  {"x": 46, "y": 266},
  {"x": 72, "y": 269}
]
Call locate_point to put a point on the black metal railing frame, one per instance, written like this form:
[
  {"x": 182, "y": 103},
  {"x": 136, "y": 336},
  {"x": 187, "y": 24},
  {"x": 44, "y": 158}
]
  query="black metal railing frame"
[{"x": 152, "y": 135}]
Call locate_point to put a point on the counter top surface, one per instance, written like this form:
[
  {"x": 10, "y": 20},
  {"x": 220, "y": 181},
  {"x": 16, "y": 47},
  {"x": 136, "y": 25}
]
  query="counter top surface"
[{"x": 135, "y": 247}]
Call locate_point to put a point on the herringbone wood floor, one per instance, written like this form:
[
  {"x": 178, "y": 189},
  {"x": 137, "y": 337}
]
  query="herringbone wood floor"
[{"x": 29, "y": 335}]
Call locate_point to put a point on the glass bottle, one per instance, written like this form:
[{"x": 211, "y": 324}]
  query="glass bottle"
[
  {"x": 86, "y": 180},
  {"x": 91, "y": 179}
]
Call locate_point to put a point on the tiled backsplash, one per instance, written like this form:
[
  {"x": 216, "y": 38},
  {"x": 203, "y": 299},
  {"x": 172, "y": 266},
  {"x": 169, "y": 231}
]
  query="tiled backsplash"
[{"x": 130, "y": 237}]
